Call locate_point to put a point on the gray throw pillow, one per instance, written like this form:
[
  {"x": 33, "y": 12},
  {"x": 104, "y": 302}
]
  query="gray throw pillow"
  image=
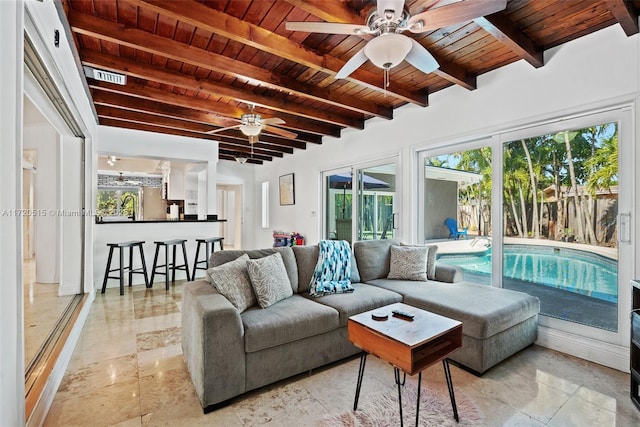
[
  {"x": 431, "y": 259},
  {"x": 408, "y": 263},
  {"x": 269, "y": 279},
  {"x": 232, "y": 281}
]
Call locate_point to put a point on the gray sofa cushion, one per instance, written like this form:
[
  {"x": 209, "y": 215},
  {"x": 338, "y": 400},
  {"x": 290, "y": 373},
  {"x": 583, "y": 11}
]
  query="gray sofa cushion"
[
  {"x": 364, "y": 298},
  {"x": 373, "y": 258},
  {"x": 307, "y": 258},
  {"x": 483, "y": 310},
  {"x": 288, "y": 258},
  {"x": 289, "y": 320}
]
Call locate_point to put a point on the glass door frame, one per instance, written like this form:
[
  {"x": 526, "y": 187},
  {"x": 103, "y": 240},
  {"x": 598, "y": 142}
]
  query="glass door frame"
[
  {"x": 355, "y": 171},
  {"x": 626, "y": 191},
  {"x": 624, "y": 115}
]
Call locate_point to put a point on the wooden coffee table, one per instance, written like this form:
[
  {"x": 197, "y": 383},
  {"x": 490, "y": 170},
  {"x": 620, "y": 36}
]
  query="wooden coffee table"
[{"x": 410, "y": 346}]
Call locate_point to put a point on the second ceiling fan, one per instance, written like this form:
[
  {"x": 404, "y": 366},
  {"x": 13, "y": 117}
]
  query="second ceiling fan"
[
  {"x": 252, "y": 124},
  {"x": 388, "y": 20}
]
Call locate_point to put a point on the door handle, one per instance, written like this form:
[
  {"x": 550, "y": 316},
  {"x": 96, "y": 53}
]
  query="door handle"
[{"x": 393, "y": 221}]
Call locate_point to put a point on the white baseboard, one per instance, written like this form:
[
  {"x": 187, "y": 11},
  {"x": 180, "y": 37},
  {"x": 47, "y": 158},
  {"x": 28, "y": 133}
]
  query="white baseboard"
[{"x": 611, "y": 355}]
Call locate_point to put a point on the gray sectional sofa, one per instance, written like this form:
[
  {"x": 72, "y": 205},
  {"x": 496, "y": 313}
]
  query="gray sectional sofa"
[{"x": 229, "y": 353}]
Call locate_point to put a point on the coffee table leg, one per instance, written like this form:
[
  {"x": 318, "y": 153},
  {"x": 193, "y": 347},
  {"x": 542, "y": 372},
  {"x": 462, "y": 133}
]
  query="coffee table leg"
[
  {"x": 447, "y": 374},
  {"x": 418, "y": 401},
  {"x": 363, "y": 360},
  {"x": 396, "y": 372}
]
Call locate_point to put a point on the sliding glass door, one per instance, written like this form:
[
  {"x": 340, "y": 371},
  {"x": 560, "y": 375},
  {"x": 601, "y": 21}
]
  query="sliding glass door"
[
  {"x": 552, "y": 219},
  {"x": 361, "y": 202}
]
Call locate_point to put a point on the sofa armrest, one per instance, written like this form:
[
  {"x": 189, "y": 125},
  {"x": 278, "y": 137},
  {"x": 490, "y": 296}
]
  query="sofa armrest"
[
  {"x": 448, "y": 273},
  {"x": 212, "y": 343}
]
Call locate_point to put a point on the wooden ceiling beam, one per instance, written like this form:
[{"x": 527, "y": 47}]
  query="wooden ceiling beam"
[
  {"x": 339, "y": 12},
  {"x": 332, "y": 11},
  {"x": 157, "y": 129},
  {"x": 165, "y": 122},
  {"x": 625, "y": 15},
  {"x": 509, "y": 35},
  {"x": 227, "y": 110},
  {"x": 228, "y": 26},
  {"x": 168, "y": 48},
  {"x": 125, "y": 102},
  {"x": 174, "y": 78}
]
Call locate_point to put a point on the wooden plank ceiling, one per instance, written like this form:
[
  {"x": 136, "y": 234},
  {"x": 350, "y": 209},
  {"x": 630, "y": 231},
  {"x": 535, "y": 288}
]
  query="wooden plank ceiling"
[{"x": 195, "y": 66}]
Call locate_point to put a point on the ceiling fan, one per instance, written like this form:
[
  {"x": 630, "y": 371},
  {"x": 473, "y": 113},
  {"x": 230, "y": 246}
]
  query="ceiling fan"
[
  {"x": 252, "y": 123},
  {"x": 121, "y": 181},
  {"x": 389, "y": 20}
]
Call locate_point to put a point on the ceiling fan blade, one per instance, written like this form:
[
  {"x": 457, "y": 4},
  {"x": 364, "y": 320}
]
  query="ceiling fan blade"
[
  {"x": 454, "y": 13},
  {"x": 352, "y": 64},
  {"x": 396, "y": 5},
  {"x": 222, "y": 129},
  {"x": 273, "y": 121},
  {"x": 420, "y": 58},
  {"x": 328, "y": 28},
  {"x": 281, "y": 132}
]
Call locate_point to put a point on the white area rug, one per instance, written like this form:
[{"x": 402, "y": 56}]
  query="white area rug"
[{"x": 435, "y": 410}]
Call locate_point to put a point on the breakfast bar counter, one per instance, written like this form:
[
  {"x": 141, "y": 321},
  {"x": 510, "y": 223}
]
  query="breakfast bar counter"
[{"x": 149, "y": 231}]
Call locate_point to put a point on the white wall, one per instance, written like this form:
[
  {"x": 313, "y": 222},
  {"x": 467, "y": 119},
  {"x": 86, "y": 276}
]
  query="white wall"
[{"x": 595, "y": 71}]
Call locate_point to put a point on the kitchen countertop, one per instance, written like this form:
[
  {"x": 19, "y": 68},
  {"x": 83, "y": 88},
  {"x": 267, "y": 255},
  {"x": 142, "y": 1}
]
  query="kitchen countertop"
[{"x": 155, "y": 221}]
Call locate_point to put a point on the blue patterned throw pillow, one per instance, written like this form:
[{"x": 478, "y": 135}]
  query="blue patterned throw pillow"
[{"x": 332, "y": 274}]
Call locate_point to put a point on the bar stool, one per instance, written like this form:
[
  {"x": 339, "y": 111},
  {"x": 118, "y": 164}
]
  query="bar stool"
[
  {"x": 121, "y": 269},
  {"x": 209, "y": 248},
  {"x": 169, "y": 265}
]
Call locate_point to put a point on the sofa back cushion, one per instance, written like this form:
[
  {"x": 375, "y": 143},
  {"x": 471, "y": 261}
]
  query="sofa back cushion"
[
  {"x": 373, "y": 258},
  {"x": 307, "y": 258},
  {"x": 288, "y": 258}
]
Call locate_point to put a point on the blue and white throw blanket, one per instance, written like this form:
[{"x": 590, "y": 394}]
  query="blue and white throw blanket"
[{"x": 332, "y": 274}]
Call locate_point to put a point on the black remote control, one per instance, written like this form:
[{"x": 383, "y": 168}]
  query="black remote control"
[{"x": 402, "y": 315}]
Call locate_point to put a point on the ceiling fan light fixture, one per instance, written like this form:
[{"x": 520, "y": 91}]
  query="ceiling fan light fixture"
[
  {"x": 251, "y": 124},
  {"x": 388, "y": 50},
  {"x": 251, "y": 129},
  {"x": 242, "y": 160}
]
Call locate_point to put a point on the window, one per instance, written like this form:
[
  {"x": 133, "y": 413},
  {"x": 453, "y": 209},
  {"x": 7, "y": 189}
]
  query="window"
[
  {"x": 265, "y": 204},
  {"x": 117, "y": 201}
]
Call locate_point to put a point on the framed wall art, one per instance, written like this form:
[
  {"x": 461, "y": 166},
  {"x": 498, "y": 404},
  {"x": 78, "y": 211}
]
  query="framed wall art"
[{"x": 287, "y": 190}]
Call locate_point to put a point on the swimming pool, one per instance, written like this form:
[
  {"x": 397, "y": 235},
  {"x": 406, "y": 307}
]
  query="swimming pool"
[{"x": 573, "y": 270}]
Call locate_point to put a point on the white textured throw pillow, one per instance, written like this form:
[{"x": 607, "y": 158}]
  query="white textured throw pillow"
[
  {"x": 431, "y": 259},
  {"x": 408, "y": 263},
  {"x": 232, "y": 281},
  {"x": 269, "y": 279}
]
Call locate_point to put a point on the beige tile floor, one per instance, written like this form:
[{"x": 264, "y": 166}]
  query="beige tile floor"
[
  {"x": 127, "y": 370},
  {"x": 42, "y": 310}
]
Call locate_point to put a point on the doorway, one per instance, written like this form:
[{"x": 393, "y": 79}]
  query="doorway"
[{"x": 229, "y": 201}]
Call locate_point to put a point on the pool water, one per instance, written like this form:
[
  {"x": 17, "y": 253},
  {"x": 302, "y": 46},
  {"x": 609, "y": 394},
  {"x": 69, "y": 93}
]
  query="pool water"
[{"x": 572, "y": 270}]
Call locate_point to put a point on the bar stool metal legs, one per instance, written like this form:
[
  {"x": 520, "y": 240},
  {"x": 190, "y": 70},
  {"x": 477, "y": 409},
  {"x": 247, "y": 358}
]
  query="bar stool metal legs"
[
  {"x": 209, "y": 248},
  {"x": 122, "y": 267},
  {"x": 170, "y": 266}
]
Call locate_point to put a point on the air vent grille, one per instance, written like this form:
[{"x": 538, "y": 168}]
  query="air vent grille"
[{"x": 105, "y": 76}]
